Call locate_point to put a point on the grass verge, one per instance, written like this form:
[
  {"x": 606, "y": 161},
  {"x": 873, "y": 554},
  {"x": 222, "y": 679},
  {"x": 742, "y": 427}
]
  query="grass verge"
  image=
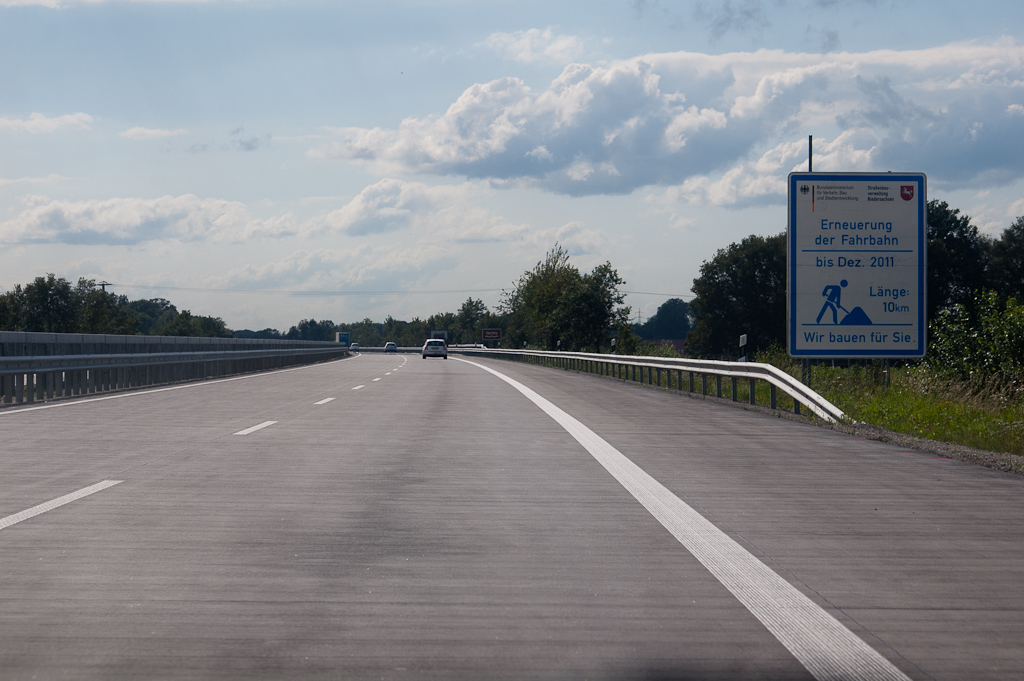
[{"x": 919, "y": 403}]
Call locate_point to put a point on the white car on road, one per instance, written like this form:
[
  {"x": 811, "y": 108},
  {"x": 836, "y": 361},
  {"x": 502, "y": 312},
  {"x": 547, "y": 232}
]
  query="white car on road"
[{"x": 435, "y": 347}]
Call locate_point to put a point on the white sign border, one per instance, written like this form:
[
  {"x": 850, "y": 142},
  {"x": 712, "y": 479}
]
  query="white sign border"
[{"x": 922, "y": 262}]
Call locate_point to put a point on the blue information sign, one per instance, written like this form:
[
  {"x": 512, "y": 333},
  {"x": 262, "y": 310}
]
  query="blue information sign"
[{"x": 856, "y": 265}]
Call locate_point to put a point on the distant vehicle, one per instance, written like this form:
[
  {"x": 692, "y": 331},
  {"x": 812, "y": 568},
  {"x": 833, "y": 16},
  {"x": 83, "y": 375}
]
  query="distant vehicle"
[
  {"x": 354, "y": 347},
  {"x": 435, "y": 347},
  {"x": 390, "y": 347}
]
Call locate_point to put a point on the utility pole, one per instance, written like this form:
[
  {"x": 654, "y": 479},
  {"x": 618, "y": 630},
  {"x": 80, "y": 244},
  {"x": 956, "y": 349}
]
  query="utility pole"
[
  {"x": 104, "y": 284},
  {"x": 810, "y": 153}
]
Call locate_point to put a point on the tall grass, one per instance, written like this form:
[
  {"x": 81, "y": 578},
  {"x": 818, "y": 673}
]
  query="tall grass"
[{"x": 920, "y": 402}]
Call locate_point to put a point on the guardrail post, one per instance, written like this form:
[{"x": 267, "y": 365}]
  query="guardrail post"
[
  {"x": 796, "y": 407},
  {"x": 734, "y": 395},
  {"x": 718, "y": 384},
  {"x": 771, "y": 395},
  {"x": 7, "y": 388},
  {"x": 691, "y": 381},
  {"x": 753, "y": 393},
  {"x": 703, "y": 384}
]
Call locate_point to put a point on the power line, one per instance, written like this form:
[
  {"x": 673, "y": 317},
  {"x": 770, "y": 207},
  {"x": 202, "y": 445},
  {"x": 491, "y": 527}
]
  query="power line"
[
  {"x": 328, "y": 294},
  {"x": 667, "y": 295},
  {"x": 264, "y": 291}
]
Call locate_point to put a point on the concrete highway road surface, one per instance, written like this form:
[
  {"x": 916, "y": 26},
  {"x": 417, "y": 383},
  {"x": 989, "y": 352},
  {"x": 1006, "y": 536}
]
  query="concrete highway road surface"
[{"x": 389, "y": 517}]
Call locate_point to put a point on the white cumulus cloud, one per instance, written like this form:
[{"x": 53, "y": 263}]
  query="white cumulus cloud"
[
  {"x": 709, "y": 121},
  {"x": 52, "y": 178},
  {"x": 453, "y": 214},
  {"x": 535, "y": 45},
  {"x": 39, "y": 123},
  {"x": 134, "y": 220},
  {"x": 150, "y": 133}
]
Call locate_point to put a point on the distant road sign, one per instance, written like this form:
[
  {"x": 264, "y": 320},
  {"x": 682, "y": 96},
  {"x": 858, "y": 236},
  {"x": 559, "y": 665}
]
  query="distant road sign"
[
  {"x": 342, "y": 337},
  {"x": 492, "y": 334},
  {"x": 856, "y": 264}
]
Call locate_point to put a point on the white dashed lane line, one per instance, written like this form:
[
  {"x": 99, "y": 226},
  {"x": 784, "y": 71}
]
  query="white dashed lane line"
[
  {"x": 253, "y": 429},
  {"x": 56, "y": 503},
  {"x": 376, "y": 379},
  {"x": 324, "y": 401},
  {"x": 358, "y": 387}
]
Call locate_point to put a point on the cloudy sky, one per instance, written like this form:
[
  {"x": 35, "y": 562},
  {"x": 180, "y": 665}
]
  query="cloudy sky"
[{"x": 269, "y": 160}]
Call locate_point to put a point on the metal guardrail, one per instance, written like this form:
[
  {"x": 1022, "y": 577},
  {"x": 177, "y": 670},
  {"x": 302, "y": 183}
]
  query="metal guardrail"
[
  {"x": 651, "y": 370},
  {"x": 38, "y": 367}
]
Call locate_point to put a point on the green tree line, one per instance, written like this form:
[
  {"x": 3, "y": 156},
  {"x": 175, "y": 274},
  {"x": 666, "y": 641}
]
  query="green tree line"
[
  {"x": 975, "y": 297},
  {"x": 554, "y": 305},
  {"x": 52, "y": 304}
]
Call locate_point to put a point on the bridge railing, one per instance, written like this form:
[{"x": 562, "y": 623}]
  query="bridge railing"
[
  {"x": 43, "y": 366},
  {"x": 691, "y": 375}
]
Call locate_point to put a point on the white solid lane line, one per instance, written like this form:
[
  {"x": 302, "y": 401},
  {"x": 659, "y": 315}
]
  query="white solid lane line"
[
  {"x": 56, "y": 503},
  {"x": 821, "y": 643},
  {"x": 259, "y": 426},
  {"x": 325, "y": 400}
]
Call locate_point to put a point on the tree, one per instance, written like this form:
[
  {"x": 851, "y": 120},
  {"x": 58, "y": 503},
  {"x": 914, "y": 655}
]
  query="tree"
[
  {"x": 532, "y": 302},
  {"x": 740, "y": 290},
  {"x": 987, "y": 350},
  {"x": 153, "y": 314},
  {"x": 267, "y": 333},
  {"x": 590, "y": 308},
  {"x": 12, "y": 308},
  {"x": 187, "y": 324},
  {"x": 103, "y": 312},
  {"x": 312, "y": 330},
  {"x": 467, "y": 324},
  {"x": 442, "y": 321},
  {"x": 957, "y": 259},
  {"x": 554, "y": 302},
  {"x": 1007, "y": 265},
  {"x": 49, "y": 305},
  {"x": 671, "y": 321},
  {"x": 366, "y": 333}
]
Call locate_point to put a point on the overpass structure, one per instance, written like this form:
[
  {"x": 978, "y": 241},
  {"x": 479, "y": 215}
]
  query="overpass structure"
[{"x": 384, "y": 516}]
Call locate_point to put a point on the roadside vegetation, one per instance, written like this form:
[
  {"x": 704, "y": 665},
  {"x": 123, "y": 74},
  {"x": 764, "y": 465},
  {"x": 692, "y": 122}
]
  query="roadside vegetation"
[
  {"x": 969, "y": 390},
  {"x": 920, "y": 400}
]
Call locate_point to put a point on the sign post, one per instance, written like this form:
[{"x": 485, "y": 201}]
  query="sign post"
[{"x": 856, "y": 265}]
